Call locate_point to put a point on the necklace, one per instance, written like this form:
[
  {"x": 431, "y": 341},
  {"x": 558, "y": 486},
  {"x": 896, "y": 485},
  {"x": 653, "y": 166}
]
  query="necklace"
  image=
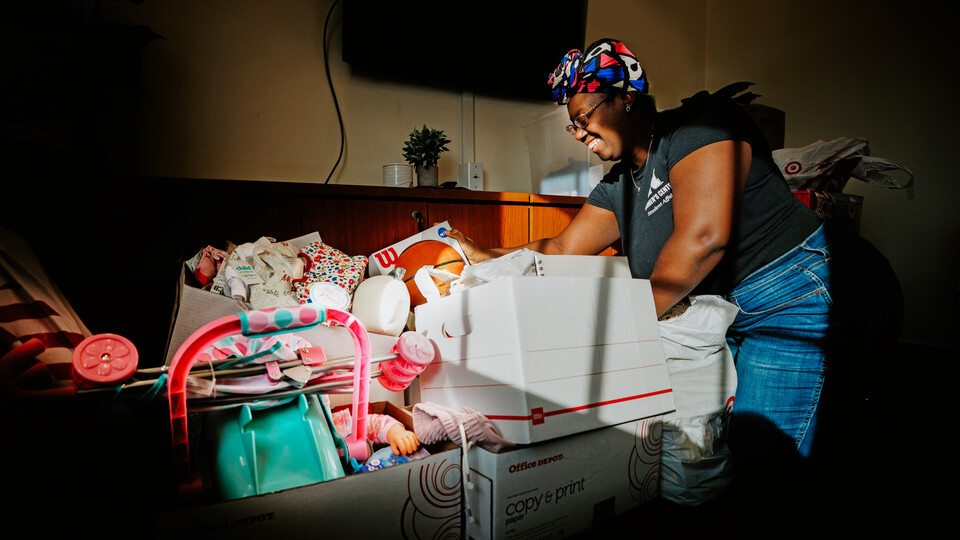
[{"x": 634, "y": 173}]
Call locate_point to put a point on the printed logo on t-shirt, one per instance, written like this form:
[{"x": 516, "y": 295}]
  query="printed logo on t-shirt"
[{"x": 658, "y": 195}]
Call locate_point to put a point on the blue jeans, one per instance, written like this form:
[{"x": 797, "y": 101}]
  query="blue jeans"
[{"x": 780, "y": 343}]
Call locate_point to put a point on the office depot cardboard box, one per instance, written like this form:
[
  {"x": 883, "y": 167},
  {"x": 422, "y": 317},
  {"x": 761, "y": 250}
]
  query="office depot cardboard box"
[
  {"x": 545, "y": 357},
  {"x": 418, "y": 499},
  {"x": 558, "y": 488}
]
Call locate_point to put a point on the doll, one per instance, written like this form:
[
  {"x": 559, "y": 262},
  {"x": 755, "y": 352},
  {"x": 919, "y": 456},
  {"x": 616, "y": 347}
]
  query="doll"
[{"x": 381, "y": 429}]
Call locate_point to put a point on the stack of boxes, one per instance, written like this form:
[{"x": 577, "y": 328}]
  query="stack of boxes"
[{"x": 571, "y": 369}]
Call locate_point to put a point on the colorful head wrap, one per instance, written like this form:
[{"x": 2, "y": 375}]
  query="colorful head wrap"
[{"x": 608, "y": 66}]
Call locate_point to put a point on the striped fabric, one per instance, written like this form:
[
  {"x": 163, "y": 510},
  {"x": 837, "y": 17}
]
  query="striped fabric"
[{"x": 31, "y": 306}]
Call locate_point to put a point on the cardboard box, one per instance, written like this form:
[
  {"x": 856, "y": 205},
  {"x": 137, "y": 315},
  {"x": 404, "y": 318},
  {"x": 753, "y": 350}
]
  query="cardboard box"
[
  {"x": 544, "y": 357},
  {"x": 771, "y": 121},
  {"x": 839, "y": 208},
  {"x": 561, "y": 487},
  {"x": 419, "y": 499},
  {"x": 583, "y": 266}
]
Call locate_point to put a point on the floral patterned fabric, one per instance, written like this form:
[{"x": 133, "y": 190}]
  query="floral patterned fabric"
[{"x": 327, "y": 264}]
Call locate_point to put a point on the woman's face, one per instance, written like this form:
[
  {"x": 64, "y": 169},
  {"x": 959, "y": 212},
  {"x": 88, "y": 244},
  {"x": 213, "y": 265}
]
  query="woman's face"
[{"x": 606, "y": 133}]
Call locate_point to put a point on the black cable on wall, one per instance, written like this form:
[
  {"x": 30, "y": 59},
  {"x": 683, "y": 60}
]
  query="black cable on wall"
[{"x": 333, "y": 92}]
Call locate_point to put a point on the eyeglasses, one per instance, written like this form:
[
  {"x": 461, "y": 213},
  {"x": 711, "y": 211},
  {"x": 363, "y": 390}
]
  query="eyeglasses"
[{"x": 582, "y": 119}]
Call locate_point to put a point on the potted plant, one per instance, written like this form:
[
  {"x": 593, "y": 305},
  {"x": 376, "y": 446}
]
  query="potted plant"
[{"x": 423, "y": 150}]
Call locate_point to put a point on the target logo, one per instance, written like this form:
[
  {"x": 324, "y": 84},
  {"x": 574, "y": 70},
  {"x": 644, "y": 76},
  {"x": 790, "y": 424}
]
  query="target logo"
[
  {"x": 728, "y": 408},
  {"x": 793, "y": 167}
]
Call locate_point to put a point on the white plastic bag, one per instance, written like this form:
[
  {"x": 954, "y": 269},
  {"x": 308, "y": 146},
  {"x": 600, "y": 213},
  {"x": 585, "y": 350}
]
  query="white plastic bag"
[
  {"x": 695, "y": 462},
  {"x": 828, "y": 165},
  {"x": 518, "y": 263},
  {"x": 426, "y": 281}
]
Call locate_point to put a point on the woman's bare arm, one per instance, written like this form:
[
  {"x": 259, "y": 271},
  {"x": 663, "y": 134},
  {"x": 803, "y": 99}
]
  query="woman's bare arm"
[
  {"x": 590, "y": 232},
  {"x": 707, "y": 191}
]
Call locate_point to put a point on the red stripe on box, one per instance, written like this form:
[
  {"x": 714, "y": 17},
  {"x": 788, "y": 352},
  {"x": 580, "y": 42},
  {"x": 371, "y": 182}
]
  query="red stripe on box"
[
  {"x": 540, "y": 381},
  {"x": 531, "y": 417}
]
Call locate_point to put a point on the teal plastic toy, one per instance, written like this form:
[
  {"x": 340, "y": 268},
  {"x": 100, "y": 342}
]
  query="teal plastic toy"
[
  {"x": 254, "y": 324},
  {"x": 271, "y": 439},
  {"x": 261, "y": 450}
]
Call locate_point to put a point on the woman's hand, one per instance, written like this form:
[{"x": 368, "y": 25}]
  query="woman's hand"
[{"x": 470, "y": 248}]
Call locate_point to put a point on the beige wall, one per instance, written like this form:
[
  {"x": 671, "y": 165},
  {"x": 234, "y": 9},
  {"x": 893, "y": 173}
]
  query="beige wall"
[
  {"x": 667, "y": 37},
  {"x": 238, "y": 90}
]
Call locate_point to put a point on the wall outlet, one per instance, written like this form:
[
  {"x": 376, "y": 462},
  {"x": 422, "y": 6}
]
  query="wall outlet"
[{"x": 471, "y": 176}]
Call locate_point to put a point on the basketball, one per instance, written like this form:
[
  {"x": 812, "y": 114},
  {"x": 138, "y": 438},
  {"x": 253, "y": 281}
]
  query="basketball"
[{"x": 428, "y": 253}]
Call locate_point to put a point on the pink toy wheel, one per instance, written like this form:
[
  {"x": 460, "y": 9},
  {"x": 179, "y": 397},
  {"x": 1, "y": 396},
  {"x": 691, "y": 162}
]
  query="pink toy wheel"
[
  {"x": 415, "y": 352},
  {"x": 104, "y": 359},
  {"x": 415, "y": 348}
]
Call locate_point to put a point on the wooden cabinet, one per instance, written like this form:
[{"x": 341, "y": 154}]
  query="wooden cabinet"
[
  {"x": 358, "y": 220},
  {"x": 550, "y": 214},
  {"x": 359, "y": 226},
  {"x": 489, "y": 225}
]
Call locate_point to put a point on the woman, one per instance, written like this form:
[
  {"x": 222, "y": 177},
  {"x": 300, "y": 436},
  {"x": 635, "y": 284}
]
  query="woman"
[{"x": 701, "y": 208}]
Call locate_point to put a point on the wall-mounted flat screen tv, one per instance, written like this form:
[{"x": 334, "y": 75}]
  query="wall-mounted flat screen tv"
[{"x": 494, "y": 47}]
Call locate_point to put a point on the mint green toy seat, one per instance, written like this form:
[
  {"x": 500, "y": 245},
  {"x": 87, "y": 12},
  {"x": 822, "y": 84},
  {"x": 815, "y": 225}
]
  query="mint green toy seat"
[{"x": 261, "y": 450}]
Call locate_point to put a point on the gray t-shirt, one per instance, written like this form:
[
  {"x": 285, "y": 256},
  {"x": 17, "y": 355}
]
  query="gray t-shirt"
[{"x": 771, "y": 220}]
